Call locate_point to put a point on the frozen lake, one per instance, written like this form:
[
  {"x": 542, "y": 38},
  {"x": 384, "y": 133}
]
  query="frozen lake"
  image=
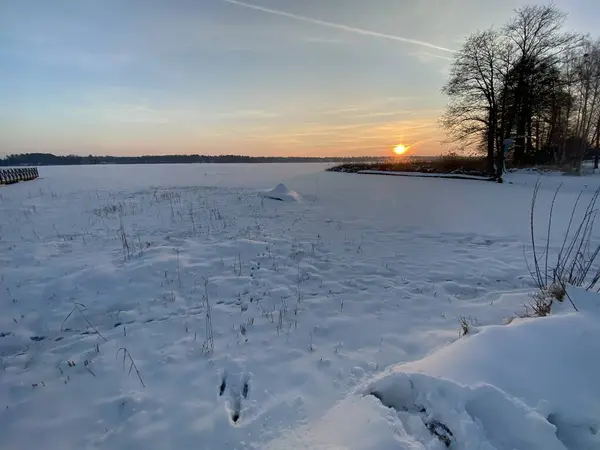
[
  {"x": 308, "y": 299},
  {"x": 145, "y": 176}
]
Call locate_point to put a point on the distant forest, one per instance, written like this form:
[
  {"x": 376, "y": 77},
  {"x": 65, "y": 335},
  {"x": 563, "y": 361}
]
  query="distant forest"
[{"x": 48, "y": 159}]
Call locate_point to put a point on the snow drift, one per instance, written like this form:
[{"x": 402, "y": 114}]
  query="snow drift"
[
  {"x": 530, "y": 385},
  {"x": 281, "y": 193}
]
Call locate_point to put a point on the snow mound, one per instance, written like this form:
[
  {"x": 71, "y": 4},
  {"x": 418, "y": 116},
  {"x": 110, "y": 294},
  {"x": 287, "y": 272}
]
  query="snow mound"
[
  {"x": 530, "y": 385},
  {"x": 281, "y": 193}
]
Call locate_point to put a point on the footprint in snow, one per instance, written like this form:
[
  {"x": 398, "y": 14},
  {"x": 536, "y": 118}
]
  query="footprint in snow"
[
  {"x": 223, "y": 384},
  {"x": 236, "y": 394}
]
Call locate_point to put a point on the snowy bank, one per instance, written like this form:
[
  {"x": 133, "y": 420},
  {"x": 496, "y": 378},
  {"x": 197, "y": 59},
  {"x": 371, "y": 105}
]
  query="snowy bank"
[
  {"x": 532, "y": 384},
  {"x": 425, "y": 175}
]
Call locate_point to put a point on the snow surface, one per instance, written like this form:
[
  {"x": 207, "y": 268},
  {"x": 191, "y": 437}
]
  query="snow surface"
[
  {"x": 310, "y": 302},
  {"x": 528, "y": 385}
]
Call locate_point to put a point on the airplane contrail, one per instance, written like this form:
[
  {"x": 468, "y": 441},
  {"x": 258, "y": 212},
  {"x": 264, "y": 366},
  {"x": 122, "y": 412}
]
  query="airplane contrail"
[{"x": 337, "y": 25}]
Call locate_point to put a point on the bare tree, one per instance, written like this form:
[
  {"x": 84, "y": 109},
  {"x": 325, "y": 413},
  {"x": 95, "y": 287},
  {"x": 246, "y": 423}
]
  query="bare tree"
[
  {"x": 588, "y": 91},
  {"x": 531, "y": 82},
  {"x": 538, "y": 36},
  {"x": 474, "y": 85}
]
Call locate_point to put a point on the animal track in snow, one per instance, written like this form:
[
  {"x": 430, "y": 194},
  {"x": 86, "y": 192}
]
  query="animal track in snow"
[
  {"x": 236, "y": 394},
  {"x": 223, "y": 384}
]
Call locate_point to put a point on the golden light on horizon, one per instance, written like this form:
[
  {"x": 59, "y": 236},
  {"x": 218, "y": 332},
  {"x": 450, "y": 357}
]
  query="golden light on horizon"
[{"x": 400, "y": 149}]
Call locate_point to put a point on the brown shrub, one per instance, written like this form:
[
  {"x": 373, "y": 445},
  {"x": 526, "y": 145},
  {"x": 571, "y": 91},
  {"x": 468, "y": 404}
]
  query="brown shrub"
[{"x": 445, "y": 164}]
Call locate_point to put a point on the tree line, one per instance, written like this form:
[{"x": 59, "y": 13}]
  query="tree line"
[
  {"x": 49, "y": 159},
  {"x": 532, "y": 84}
]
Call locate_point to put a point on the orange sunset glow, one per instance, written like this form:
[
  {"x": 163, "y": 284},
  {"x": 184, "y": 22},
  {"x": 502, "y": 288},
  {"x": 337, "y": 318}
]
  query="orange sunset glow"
[{"x": 400, "y": 149}]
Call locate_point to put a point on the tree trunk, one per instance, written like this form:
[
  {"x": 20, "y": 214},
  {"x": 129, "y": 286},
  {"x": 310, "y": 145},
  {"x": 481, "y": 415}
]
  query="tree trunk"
[
  {"x": 491, "y": 140},
  {"x": 537, "y": 136},
  {"x": 520, "y": 141},
  {"x": 530, "y": 148}
]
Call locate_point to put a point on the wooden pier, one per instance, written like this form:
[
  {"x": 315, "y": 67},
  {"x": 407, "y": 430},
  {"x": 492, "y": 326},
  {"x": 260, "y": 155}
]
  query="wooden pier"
[{"x": 11, "y": 176}]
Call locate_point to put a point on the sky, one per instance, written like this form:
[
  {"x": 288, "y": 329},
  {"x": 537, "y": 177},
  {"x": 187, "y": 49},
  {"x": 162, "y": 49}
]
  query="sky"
[{"x": 252, "y": 77}]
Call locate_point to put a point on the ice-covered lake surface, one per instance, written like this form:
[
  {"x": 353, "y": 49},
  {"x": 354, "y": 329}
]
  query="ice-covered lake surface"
[{"x": 107, "y": 274}]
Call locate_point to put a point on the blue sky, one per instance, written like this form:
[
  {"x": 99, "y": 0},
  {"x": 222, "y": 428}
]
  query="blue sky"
[{"x": 257, "y": 77}]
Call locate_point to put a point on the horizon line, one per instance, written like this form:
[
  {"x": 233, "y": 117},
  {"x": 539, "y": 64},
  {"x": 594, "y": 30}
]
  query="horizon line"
[{"x": 184, "y": 155}]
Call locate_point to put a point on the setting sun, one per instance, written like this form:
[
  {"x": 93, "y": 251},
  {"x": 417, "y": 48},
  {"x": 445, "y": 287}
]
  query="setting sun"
[{"x": 400, "y": 149}]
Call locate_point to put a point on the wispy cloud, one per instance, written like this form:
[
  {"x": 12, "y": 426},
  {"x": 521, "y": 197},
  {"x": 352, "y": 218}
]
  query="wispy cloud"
[
  {"x": 374, "y": 114},
  {"x": 342, "y": 111},
  {"x": 374, "y": 107},
  {"x": 127, "y": 113},
  {"x": 427, "y": 56},
  {"x": 338, "y": 26},
  {"x": 322, "y": 40},
  {"x": 247, "y": 114}
]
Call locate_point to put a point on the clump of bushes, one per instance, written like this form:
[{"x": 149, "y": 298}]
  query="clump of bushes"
[
  {"x": 575, "y": 263},
  {"x": 451, "y": 163}
]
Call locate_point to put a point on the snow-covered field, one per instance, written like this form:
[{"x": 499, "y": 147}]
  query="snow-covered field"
[{"x": 322, "y": 309}]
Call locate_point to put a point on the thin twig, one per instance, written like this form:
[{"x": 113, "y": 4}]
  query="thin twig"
[
  {"x": 127, "y": 354},
  {"x": 209, "y": 343},
  {"x": 77, "y": 306},
  {"x": 560, "y": 253},
  {"x": 532, "y": 226},
  {"x": 564, "y": 288},
  {"x": 549, "y": 229},
  {"x": 65, "y": 319}
]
